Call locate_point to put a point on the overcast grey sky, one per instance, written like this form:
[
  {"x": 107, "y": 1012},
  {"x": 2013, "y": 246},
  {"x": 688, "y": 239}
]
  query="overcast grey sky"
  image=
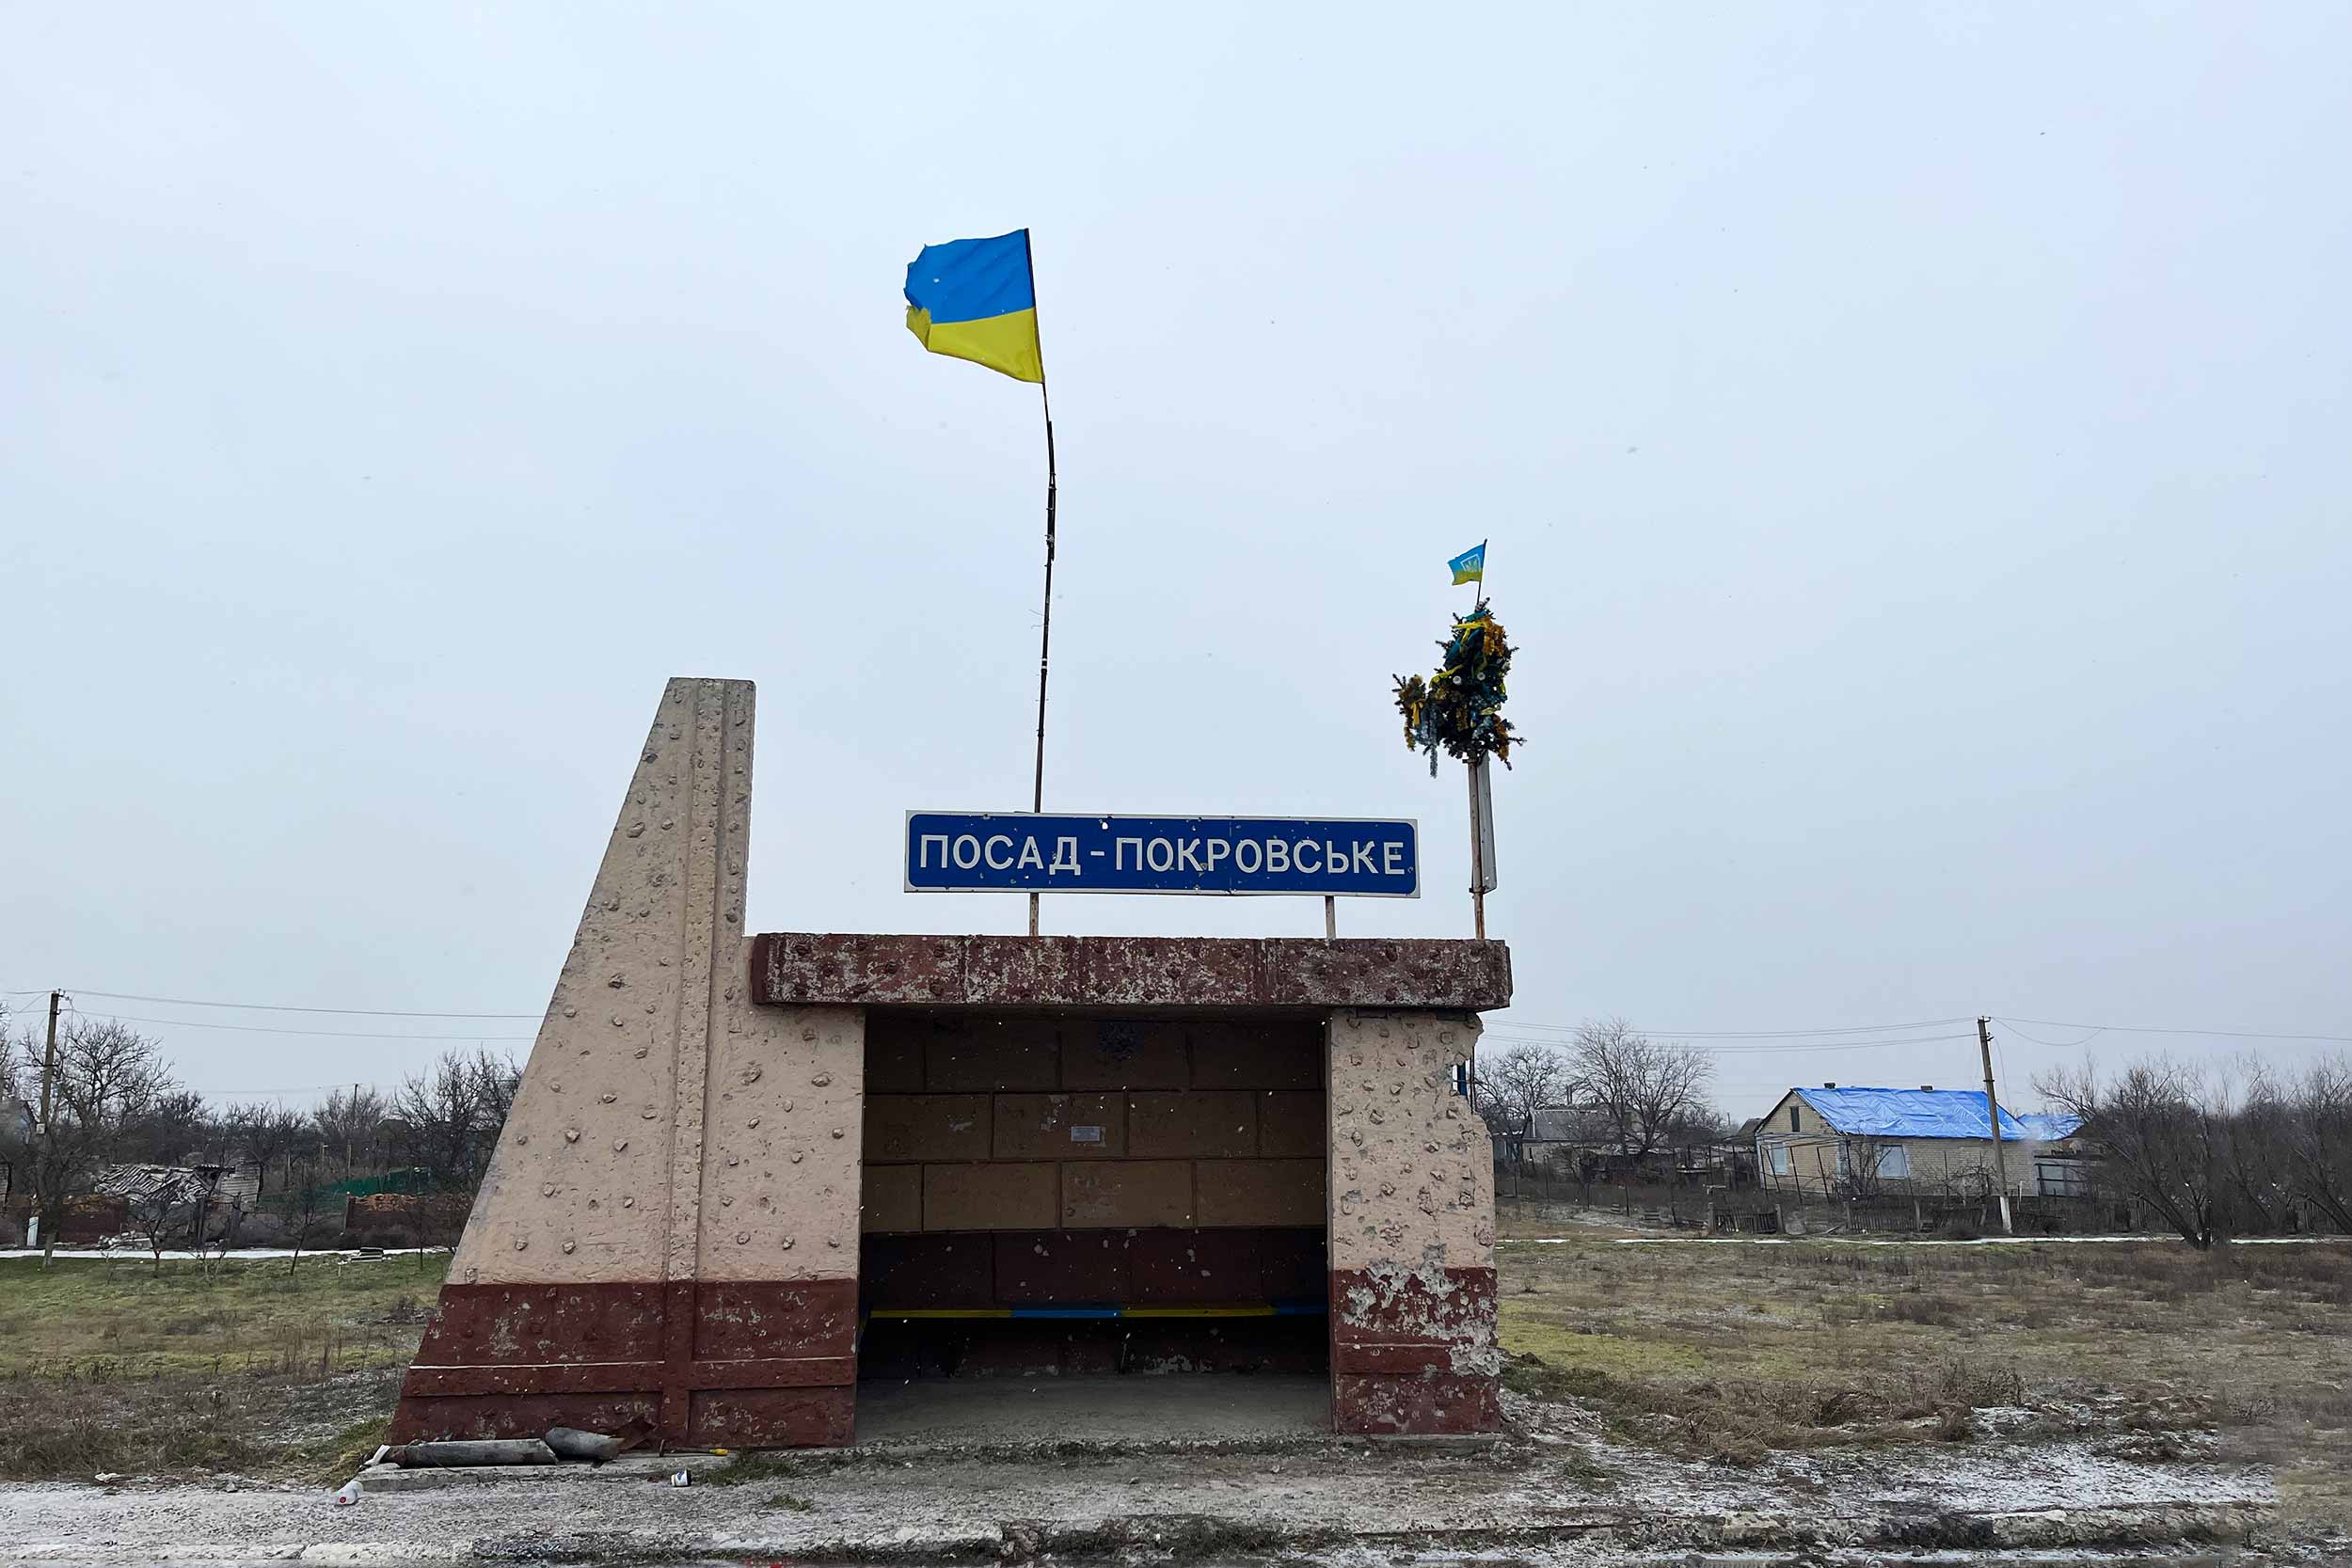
[{"x": 1913, "y": 440}]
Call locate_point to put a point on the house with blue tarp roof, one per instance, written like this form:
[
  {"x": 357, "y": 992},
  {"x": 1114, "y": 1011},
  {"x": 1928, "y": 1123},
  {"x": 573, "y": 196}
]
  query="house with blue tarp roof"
[{"x": 1861, "y": 1141}]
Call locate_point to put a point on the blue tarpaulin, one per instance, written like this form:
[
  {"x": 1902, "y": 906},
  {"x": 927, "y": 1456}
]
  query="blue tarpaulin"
[{"x": 1928, "y": 1114}]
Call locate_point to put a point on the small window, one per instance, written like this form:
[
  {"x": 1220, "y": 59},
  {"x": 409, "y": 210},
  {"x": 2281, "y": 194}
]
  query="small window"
[
  {"x": 1895, "y": 1160},
  {"x": 2061, "y": 1179},
  {"x": 1780, "y": 1159},
  {"x": 1792, "y": 1120}
]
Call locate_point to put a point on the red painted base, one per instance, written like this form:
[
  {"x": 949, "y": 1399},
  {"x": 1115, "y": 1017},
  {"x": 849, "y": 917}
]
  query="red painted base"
[
  {"x": 1414, "y": 1356},
  {"x": 1430, "y": 1404},
  {"x": 760, "y": 1365}
]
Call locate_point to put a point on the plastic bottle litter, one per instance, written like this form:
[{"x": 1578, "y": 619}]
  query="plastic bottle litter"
[{"x": 348, "y": 1494}]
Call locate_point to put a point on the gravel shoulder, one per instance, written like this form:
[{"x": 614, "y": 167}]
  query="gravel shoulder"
[{"x": 1549, "y": 1494}]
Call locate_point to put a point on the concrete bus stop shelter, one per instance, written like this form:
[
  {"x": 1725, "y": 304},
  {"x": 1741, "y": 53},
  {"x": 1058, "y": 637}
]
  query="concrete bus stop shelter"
[{"x": 741, "y": 1166}]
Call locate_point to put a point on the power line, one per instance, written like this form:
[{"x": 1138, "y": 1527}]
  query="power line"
[
  {"x": 1804, "y": 1050},
  {"x": 276, "y": 1007},
  {"x": 1770, "y": 1049},
  {"x": 2143, "y": 1029},
  {"x": 298, "y": 1088},
  {"x": 2055, "y": 1045},
  {"x": 307, "y": 1034},
  {"x": 1758, "y": 1034}
]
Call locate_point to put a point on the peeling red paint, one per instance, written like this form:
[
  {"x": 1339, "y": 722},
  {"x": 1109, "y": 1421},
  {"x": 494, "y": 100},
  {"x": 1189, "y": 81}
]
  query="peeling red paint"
[
  {"x": 1428, "y": 1405},
  {"x": 1413, "y": 1349},
  {"x": 504, "y": 1324},
  {"x": 774, "y": 1418},
  {"x": 737, "y": 1320},
  {"x": 854, "y": 969},
  {"x": 506, "y": 1360},
  {"x": 1430, "y": 1305},
  {"x": 1191, "y": 972},
  {"x": 1019, "y": 972},
  {"x": 1387, "y": 1318}
]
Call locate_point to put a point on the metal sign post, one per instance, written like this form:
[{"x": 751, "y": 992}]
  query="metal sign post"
[{"x": 1481, "y": 810}]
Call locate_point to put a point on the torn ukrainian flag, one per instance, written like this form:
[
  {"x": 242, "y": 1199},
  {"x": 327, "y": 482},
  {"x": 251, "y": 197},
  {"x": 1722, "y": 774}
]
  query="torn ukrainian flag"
[{"x": 975, "y": 299}]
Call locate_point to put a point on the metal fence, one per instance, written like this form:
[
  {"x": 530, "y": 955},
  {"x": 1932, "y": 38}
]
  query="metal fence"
[{"x": 1699, "y": 1206}]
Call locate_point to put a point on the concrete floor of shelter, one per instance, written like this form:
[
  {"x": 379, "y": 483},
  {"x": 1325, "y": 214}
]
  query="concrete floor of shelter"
[{"x": 1110, "y": 1408}]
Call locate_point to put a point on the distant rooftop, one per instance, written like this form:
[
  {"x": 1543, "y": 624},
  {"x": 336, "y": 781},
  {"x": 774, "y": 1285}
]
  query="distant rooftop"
[{"x": 1930, "y": 1113}]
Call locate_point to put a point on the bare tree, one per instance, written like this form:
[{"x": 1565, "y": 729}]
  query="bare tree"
[
  {"x": 2256, "y": 1168},
  {"x": 2318, "y": 1136},
  {"x": 351, "y": 1120},
  {"x": 454, "y": 1113},
  {"x": 499, "y": 1078},
  {"x": 305, "y": 1175},
  {"x": 267, "y": 1133},
  {"x": 1524, "y": 1078},
  {"x": 1501, "y": 1122},
  {"x": 172, "y": 1125},
  {"x": 1647, "y": 1088},
  {"x": 109, "y": 1078},
  {"x": 2157, "y": 1137},
  {"x": 16, "y": 1116}
]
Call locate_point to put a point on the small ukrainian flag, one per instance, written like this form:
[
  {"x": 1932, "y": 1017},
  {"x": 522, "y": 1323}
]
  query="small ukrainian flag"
[
  {"x": 975, "y": 300},
  {"x": 1470, "y": 565}
]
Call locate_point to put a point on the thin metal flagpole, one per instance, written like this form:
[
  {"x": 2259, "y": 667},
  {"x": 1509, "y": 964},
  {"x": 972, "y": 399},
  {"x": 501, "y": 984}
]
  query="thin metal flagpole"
[{"x": 1045, "y": 633}]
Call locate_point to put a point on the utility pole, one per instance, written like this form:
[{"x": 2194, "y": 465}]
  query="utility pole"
[
  {"x": 348, "y": 1119},
  {"x": 48, "y": 1138},
  {"x": 1992, "y": 1113}
]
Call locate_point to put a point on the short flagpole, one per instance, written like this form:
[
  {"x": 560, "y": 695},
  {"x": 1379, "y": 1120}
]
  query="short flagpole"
[
  {"x": 1481, "y": 797},
  {"x": 1045, "y": 633}
]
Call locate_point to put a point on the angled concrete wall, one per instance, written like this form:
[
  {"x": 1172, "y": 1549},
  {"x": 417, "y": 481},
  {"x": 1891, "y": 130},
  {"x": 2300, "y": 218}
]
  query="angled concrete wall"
[
  {"x": 668, "y": 1230},
  {"x": 1413, "y": 1231}
]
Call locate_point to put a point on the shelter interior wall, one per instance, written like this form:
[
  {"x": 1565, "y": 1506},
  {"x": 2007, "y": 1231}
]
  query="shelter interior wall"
[{"x": 1020, "y": 1160}]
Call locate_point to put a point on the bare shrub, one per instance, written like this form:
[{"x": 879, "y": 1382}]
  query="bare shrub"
[{"x": 1920, "y": 1306}]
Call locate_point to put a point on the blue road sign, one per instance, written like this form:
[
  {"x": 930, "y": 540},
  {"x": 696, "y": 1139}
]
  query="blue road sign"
[{"x": 1018, "y": 852}]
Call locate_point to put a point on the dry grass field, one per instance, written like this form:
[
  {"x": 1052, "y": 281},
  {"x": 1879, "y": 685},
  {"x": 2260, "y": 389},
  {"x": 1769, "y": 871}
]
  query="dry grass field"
[
  {"x": 255, "y": 1369},
  {"x": 1724, "y": 1351},
  {"x": 1730, "y": 1350}
]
